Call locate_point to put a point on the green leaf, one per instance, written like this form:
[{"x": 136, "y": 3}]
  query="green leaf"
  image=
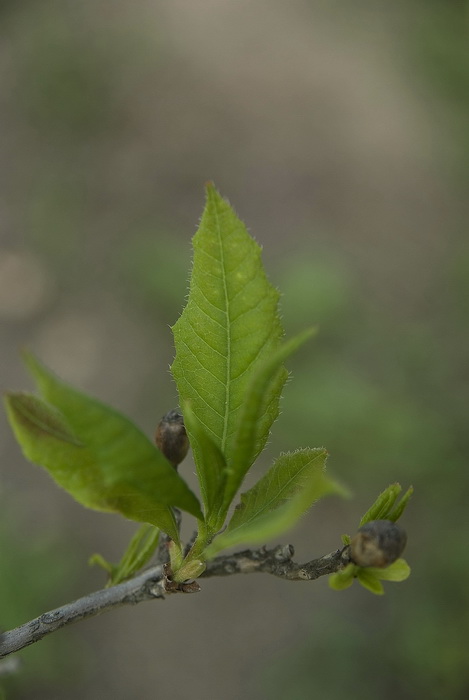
[
  {"x": 211, "y": 466},
  {"x": 343, "y": 579},
  {"x": 228, "y": 329},
  {"x": 98, "y": 560},
  {"x": 369, "y": 581},
  {"x": 140, "y": 550},
  {"x": 116, "y": 469},
  {"x": 245, "y": 448},
  {"x": 399, "y": 508},
  {"x": 369, "y": 577},
  {"x": 47, "y": 439},
  {"x": 383, "y": 504},
  {"x": 398, "y": 571},
  {"x": 278, "y": 500}
]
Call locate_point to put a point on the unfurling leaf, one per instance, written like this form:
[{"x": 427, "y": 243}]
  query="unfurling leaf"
[
  {"x": 386, "y": 506},
  {"x": 96, "y": 454},
  {"x": 400, "y": 506},
  {"x": 278, "y": 500},
  {"x": 383, "y": 504}
]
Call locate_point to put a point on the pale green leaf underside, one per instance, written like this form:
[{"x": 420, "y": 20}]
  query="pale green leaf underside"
[
  {"x": 228, "y": 328},
  {"x": 398, "y": 571},
  {"x": 369, "y": 581},
  {"x": 120, "y": 469},
  {"x": 294, "y": 482}
]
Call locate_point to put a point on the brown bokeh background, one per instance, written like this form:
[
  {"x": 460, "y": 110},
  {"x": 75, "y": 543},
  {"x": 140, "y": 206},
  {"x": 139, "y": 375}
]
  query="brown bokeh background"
[{"x": 339, "y": 133}]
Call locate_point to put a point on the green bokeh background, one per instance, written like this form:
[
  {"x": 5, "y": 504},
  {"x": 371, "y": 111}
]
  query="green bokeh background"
[{"x": 339, "y": 133}]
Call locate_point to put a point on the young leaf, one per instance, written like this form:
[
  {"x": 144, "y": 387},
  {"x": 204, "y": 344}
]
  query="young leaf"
[
  {"x": 278, "y": 500},
  {"x": 123, "y": 471},
  {"x": 245, "y": 448},
  {"x": 383, "y": 504},
  {"x": 398, "y": 571},
  {"x": 399, "y": 508},
  {"x": 229, "y": 327},
  {"x": 139, "y": 552},
  {"x": 369, "y": 581},
  {"x": 343, "y": 579}
]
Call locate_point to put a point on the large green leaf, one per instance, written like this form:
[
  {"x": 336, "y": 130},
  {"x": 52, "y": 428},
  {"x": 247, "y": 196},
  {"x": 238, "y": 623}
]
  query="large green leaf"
[
  {"x": 46, "y": 439},
  {"x": 278, "y": 500},
  {"x": 228, "y": 329},
  {"x": 117, "y": 468}
]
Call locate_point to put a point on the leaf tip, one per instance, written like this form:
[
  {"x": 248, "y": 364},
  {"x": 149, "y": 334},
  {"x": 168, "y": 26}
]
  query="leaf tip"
[
  {"x": 31, "y": 362},
  {"x": 211, "y": 191}
]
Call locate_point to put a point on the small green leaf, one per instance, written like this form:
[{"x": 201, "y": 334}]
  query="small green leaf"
[
  {"x": 98, "y": 560},
  {"x": 228, "y": 329},
  {"x": 278, "y": 500},
  {"x": 211, "y": 466},
  {"x": 369, "y": 581},
  {"x": 343, "y": 579},
  {"x": 139, "y": 552},
  {"x": 383, "y": 504},
  {"x": 346, "y": 539},
  {"x": 398, "y": 571},
  {"x": 399, "y": 508},
  {"x": 97, "y": 454},
  {"x": 246, "y": 444}
]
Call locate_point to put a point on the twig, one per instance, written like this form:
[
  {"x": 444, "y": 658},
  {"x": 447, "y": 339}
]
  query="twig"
[
  {"x": 278, "y": 562},
  {"x": 153, "y": 583},
  {"x": 146, "y": 586}
]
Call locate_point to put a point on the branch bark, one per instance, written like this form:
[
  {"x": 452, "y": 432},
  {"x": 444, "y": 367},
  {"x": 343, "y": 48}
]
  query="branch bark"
[{"x": 153, "y": 583}]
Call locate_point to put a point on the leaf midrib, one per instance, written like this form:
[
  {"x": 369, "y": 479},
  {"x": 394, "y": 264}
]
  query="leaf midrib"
[{"x": 228, "y": 333}]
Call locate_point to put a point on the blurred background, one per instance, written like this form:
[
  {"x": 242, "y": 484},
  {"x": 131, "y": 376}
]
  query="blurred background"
[{"x": 339, "y": 132}]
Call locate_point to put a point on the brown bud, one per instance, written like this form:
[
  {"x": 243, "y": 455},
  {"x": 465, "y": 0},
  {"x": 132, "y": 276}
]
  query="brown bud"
[
  {"x": 378, "y": 543},
  {"x": 171, "y": 437}
]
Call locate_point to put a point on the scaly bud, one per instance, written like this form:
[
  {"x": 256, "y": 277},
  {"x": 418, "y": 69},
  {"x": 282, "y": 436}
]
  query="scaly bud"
[
  {"x": 171, "y": 437},
  {"x": 378, "y": 543}
]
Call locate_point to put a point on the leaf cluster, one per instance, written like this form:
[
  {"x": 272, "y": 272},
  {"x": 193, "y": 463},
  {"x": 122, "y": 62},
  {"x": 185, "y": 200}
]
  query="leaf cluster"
[{"x": 229, "y": 371}]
